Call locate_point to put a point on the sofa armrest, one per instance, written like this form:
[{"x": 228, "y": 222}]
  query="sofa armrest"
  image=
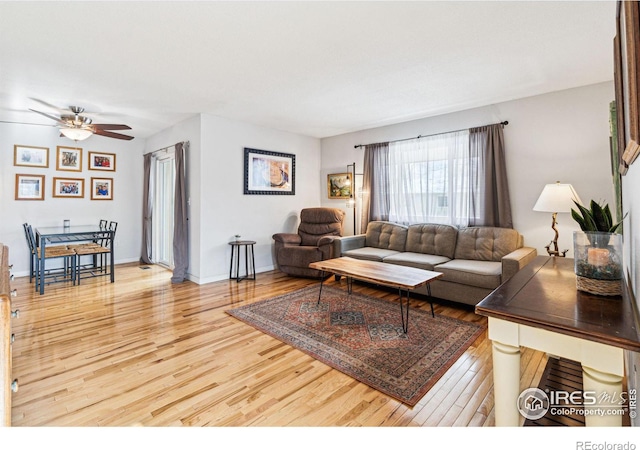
[
  {"x": 346, "y": 243},
  {"x": 287, "y": 238},
  {"x": 516, "y": 260}
]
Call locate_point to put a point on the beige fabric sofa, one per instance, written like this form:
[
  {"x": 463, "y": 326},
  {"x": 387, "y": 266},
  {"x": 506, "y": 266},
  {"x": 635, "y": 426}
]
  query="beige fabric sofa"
[{"x": 474, "y": 260}]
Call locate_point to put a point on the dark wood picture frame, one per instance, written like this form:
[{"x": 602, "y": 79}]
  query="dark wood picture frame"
[
  {"x": 626, "y": 71},
  {"x": 269, "y": 173}
]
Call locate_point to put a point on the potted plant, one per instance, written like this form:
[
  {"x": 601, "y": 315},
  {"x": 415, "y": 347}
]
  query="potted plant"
[{"x": 597, "y": 250}]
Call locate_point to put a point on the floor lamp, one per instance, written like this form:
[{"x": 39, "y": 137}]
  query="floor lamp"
[{"x": 351, "y": 203}]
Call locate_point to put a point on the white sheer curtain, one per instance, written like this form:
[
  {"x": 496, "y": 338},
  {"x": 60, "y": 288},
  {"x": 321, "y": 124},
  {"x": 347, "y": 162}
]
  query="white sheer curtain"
[{"x": 429, "y": 179}]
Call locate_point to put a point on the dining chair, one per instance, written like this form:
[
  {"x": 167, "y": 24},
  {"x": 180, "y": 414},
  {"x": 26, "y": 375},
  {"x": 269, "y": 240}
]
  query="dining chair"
[
  {"x": 56, "y": 274},
  {"x": 99, "y": 250}
]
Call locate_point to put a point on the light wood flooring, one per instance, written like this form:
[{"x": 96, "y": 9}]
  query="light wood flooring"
[{"x": 145, "y": 352}]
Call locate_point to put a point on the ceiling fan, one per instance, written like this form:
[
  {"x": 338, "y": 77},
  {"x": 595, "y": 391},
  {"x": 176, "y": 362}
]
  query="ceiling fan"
[{"x": 78, "y": 127}]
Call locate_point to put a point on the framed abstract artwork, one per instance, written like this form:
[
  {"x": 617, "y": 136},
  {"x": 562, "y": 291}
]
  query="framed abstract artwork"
[
  {"x": 269, "y": 173},
  {"x": 339, "y": 185},
  {"x": 29, "y": 187}
]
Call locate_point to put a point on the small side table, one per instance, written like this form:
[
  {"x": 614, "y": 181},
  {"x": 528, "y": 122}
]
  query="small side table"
[{"x": 249, "y": 264}]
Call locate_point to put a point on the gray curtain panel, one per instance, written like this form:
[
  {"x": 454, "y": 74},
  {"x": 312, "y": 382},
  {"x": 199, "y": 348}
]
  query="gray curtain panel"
[
  {"x": 375, "y": 184},
  {"x": 147, "y": 211},
  {"x": 490, "y": 177},
  {"x": 181, "y": 224}
]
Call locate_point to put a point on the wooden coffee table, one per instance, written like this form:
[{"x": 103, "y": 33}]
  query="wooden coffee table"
[{"x": 404, "y": 278}]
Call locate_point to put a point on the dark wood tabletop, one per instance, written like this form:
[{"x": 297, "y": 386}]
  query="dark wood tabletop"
[{"x": 544, "y": 295}]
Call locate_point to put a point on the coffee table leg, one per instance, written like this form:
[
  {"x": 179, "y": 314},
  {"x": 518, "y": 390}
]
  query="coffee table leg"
[
  {"x": 404, "y": 312},
  {"x": 430, "y": 299},
  {"x": 321, "y": 283},
  {"x": 349, "y": 285}
]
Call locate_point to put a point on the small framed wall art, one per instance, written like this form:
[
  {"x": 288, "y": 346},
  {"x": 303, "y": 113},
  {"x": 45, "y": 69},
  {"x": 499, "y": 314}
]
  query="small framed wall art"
[
  {"x": 68, "y": 187},
  {"x": 102, "y": 161},
  {"x": 29, "y": 187},
  {"x": 26, "y": 155},
  {"x": 339, "y": 185},
  {"x": 269, "y": 173},
  {"x": 69, "y": 158},
  {"x": 101, "y": 188}
]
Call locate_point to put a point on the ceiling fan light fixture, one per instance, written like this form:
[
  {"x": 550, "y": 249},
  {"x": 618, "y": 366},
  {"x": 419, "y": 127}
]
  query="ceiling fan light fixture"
[{"x": 76, "y": 134}]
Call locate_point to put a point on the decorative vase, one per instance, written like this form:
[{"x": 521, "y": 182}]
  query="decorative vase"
[{"x": 598, "y": 262}]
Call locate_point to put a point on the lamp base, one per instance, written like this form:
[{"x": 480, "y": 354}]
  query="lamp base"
[
  {"x": 555, "y": 252},
  {"x": 554, "y": 242}
]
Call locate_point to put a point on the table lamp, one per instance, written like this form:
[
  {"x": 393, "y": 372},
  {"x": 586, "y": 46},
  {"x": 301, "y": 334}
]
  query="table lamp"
[{"x": 556, "y": 198}]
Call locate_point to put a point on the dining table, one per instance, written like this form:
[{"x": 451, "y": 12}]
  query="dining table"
[{"x": 73, "y": 234}]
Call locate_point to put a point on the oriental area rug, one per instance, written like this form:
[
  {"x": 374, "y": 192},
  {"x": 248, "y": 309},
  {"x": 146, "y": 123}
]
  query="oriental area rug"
[{"x": 362, "y": 337}]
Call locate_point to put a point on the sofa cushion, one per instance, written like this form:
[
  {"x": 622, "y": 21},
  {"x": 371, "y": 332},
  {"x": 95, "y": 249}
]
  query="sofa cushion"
[
  {"x": 432, "y": 239},
  {"x": 418, "y": 260},
  {"x": 369, "y": 253},
  {"x": 486, "y": 243},
  {"x": 386, "y": 235},
  {"x": 484, "y": 274}
]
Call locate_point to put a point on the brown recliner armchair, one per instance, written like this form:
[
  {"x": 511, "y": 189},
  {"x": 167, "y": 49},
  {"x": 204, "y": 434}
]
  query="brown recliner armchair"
[{"x": 313, "y": 242}]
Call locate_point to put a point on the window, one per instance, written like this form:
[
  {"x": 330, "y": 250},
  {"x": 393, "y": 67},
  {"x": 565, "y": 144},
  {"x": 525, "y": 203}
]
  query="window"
[{"x": 429, "y": 179}]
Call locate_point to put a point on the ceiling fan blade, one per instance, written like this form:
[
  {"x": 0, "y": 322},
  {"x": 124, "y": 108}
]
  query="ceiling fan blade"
[
  {"x": 104, "y": 126},
  {"x": 29, "y": 123},
  {"x": 49, "y": 105},
  {"x": 113, "y": 135},
  {"x": 57, "y": 119}
]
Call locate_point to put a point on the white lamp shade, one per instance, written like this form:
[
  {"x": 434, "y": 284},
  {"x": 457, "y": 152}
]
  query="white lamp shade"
[
  {"x": 557, "y": 198},
  {"x": 77, "y": 134}
]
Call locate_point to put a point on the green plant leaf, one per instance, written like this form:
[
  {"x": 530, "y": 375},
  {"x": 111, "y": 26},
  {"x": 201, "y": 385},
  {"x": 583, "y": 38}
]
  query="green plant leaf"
[
  {"x": 599, "y": 217},
  {"x": 607, "y": 216},
  {"x": 589, "y": 223},
  {"x": 578, "y": 218}
]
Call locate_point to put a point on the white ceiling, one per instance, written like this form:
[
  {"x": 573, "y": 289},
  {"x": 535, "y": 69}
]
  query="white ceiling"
[{"x": 313, "y": 68}]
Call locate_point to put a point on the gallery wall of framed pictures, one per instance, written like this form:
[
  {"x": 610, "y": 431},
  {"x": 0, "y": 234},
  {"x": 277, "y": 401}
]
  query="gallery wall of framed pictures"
[{"x": 31, "y": 186}]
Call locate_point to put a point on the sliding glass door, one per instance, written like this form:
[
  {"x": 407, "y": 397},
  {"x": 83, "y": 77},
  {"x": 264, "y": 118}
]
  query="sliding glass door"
[{"x": 164, "y": 175}]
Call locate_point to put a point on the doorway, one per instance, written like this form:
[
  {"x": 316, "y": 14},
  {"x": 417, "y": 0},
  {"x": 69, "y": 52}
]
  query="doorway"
[{"x": 164, "y": 175}]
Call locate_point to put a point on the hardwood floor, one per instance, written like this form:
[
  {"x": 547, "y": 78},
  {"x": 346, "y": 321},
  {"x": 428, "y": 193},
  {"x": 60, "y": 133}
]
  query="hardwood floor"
[{"x": 145, "y": 352}]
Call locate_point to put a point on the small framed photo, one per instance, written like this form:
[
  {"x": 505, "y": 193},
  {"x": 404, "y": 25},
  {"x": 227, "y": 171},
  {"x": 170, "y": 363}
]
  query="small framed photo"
[
  {"x": 68, "y": 187},
  {"x": 26, "y": 155},
  {"x": 69, "y": 158},
  {"x": 102, "y": 161},
  {"x": 269, "y": 173},
  {"x": 339, "y": 185},
  {"x": 29, "y": 187},
  {"x": 101, "y": 188}
]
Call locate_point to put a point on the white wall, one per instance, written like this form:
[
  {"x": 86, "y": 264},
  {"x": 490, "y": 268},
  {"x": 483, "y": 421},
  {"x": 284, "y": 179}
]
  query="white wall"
[
  {"x": 124, "y": 208},
  {"x": 219, "y": 209},
  {"x": 226, "y": 211},
  {"x": 558, "y": 136}
]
